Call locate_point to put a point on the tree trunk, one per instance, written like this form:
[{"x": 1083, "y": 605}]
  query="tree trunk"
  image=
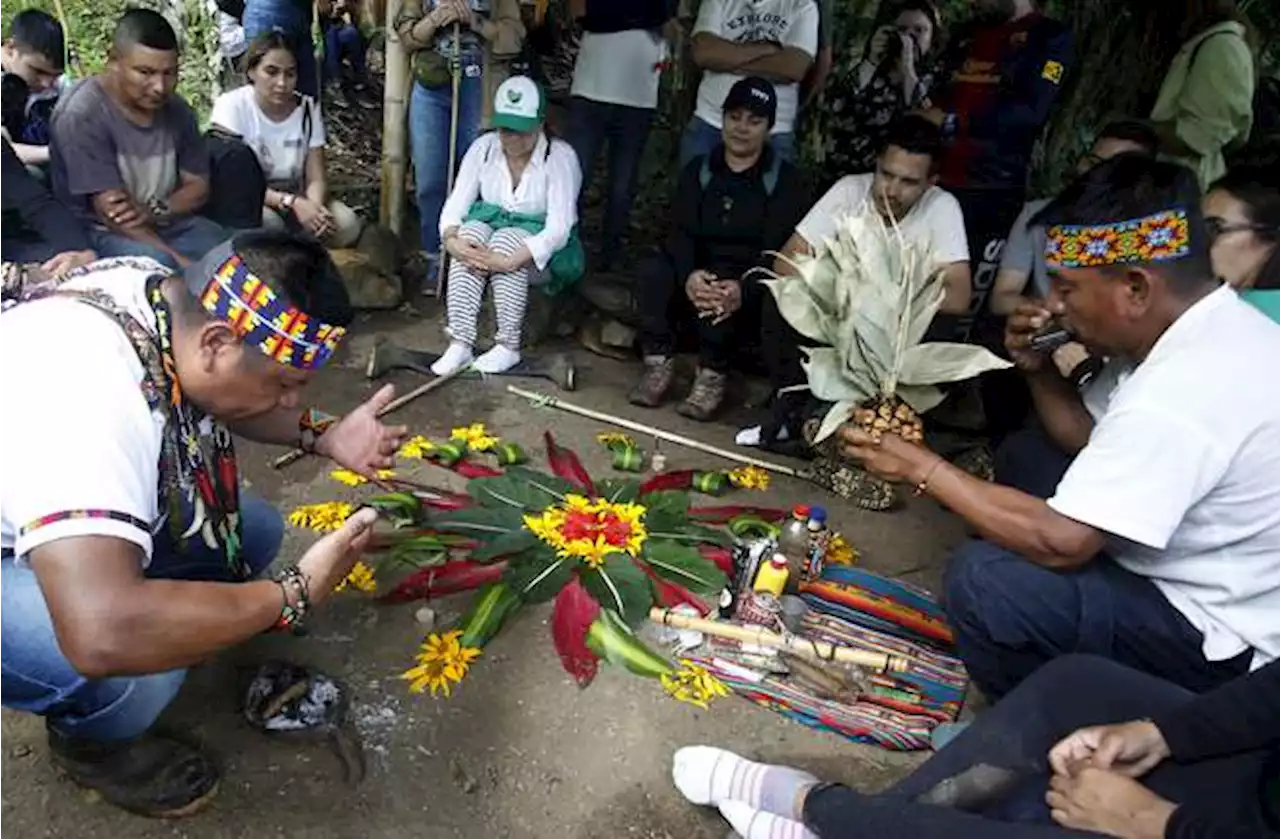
[{"x": 395, "y": 108}]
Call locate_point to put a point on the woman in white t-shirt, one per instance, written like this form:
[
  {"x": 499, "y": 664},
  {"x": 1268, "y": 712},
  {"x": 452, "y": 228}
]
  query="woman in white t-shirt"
[
  {"x": 286, "y": 131},
  {"x": 510, "y": 222}
]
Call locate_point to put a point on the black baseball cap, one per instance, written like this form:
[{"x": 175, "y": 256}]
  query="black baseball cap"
[{"x": 755, "y": 95}]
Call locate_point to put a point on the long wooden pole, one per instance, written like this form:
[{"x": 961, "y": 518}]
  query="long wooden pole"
[
  {"x": 395, "y": 108},
  {"x": 552, "y": 402},
  {"x": 813, "y": 650},
  {"x": 394, "y": 405}
]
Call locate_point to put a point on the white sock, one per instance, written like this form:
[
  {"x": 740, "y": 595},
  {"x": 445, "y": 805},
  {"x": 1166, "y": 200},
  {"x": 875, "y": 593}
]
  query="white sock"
[
  {"x": 456, "y": 357},
  {"x": 706, "y": 775},
  {"x": 498, "y": 360},
  {"x": 751, "y": 823},
  {"x": 748, "y": 436}
]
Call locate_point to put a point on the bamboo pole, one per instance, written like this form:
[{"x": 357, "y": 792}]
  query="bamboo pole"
[
  {"x": 552, "y": 402},
  {"x": 395, "y": 109},
  {"x": 813, "y": 650}
]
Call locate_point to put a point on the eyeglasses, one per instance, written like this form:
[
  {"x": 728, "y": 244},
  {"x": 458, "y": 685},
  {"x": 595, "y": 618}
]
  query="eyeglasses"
[{"x": 1216, "y": 227}]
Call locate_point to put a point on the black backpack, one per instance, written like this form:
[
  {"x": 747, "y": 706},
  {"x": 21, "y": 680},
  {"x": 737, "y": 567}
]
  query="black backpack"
[{"x": 237, "y": 185}]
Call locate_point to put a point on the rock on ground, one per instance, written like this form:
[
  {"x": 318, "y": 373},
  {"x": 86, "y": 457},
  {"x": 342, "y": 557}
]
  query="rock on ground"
[{"x": 519, "y": 751}]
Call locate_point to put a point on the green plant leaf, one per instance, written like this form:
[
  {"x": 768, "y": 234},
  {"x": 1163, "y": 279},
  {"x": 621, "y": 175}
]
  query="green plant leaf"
[
  {"x": 836, "y": 417},
  {"x": 483, "y": 523},
  {"x": 692, "y": 533},
  {"x": 419, "y": 552},
  {"x": 622, "y": 586},
  {"x": 507, "y": 544},
  {"x": 938, "y": 362},
  {"x": 665, "y": 509},
  {"x": 618, "y": 490},
  {"x": 684, "y": 565},
  {"x": 538, "y": 575},
  {"x": 402, "y": 509},
  {"x": 519, "y": 488}
]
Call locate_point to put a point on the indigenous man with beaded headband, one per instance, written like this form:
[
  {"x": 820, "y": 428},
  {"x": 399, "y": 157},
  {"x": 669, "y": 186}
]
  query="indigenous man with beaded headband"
[
  {"x": 1160, "y": 545},
  {"x": 129, "y": 551}
]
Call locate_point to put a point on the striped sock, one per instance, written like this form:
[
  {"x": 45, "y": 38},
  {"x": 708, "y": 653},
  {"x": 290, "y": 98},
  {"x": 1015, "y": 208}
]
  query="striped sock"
[
  {"x": 751, "y": 823},
  {"x": 708, "y": 775}
]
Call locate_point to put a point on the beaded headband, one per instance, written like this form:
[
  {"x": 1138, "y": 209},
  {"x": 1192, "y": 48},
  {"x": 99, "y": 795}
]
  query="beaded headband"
[
  {"x": 262, "y": 318},
  {"x": 1163, "y": 237}
]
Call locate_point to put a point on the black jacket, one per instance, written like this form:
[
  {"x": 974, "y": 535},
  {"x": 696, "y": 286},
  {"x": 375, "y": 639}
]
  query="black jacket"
[
  {"x": 731, "y": 225},
  {"x": 29, "y": 209},
  {"x": 1001, "y": 109},
  {"x": 604, "y": 16}
]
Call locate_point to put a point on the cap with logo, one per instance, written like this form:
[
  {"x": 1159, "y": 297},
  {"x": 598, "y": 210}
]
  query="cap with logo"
[
  {"x": 519, "y": 105},
  {"x": 753, "y": 94}
]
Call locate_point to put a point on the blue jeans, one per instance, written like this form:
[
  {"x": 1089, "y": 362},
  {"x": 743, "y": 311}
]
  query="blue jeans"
[
  {"x": 700, "y": 137},
  {"x": 1012, "y": 616},
  {"x": 343, "y": 40},
  {"x": 293, "y": 19},
  {"x": 1016, "y": 735},
  {"x": 591, "y": 125},
  {"x": 36, "y": 677},
  {"x": 192, "y": 236},
  {"x": 429, "y": 115}
]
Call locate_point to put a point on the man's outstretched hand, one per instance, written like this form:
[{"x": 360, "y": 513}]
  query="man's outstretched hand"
[
  {"x": 360, "y": 441},
  {"x": 329, "y": 561}
]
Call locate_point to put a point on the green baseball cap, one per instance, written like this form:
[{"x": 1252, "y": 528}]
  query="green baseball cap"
[{"x": 519, "y": 105}]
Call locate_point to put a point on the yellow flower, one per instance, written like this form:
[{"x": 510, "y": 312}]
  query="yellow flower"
[
  {"x": 355, "y": 479},
  {"x": 476, "y": 435},
  {"x": 693, "y": 684},
  {"x": 321, "y": 517},
  {"x": 590, "y": 529},
  {"x": 360, "y": 578},
  {"x": 416, "y": 446},
  {"x": 442, "y": 663},
  {"x": 840, "y": 552},
  {"x": 610, "y": 438},
  {"x": 750, "y": 477}
]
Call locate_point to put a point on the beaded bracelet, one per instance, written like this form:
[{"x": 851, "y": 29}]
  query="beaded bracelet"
[
  {"x": 313, "y": 423},
  {"x": 292, "y": 614}
]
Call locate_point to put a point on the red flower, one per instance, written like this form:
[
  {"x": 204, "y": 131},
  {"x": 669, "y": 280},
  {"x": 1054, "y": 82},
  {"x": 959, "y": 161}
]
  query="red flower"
[{"x": 616, "y": 531}]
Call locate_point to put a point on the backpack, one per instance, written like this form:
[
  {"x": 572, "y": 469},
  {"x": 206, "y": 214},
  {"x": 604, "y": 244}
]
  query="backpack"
[
  {"x": 770, "y": 174},
  {"x": 237, "y": 185}
]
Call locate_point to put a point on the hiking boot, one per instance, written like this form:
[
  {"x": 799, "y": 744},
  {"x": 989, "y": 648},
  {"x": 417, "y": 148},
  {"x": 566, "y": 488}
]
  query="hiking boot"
[
  {"x": 659, "y": 370},
  {"x": 705, "y": 396},
  {"x": 151, "y": 776}
]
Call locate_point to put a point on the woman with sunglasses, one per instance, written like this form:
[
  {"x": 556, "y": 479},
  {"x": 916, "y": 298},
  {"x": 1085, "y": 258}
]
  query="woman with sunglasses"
[{"x": 1242, "y": 215}]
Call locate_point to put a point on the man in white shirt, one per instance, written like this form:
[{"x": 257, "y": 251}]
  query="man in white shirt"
[
  {"x": 774, "y": 39},
  {"x": 128, "y": 551},
  {"x": 1160, "y": 548},
  {"x": 903, "y": 189},
  {"x": 615, "y": 95}
]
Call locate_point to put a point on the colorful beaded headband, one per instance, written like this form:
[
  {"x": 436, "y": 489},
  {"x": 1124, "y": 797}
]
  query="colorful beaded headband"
[
  {"x": 262, "y": 318},
  {"x": 1163, "y": 237}
]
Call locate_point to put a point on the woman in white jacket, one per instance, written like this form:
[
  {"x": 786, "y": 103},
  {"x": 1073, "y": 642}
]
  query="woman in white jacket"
[{"x": 511, "y": 221}]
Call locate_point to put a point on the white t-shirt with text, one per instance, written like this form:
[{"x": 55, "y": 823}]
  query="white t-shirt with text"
[
  {"x": 935, "y": 221},
  {"x": 281, "y": 147},
  {"x": 791, "y": 23},
  {"x": 1182, "y": 470}
]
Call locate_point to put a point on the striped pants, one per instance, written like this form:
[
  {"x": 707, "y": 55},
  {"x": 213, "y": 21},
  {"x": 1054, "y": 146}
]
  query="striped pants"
[{"x": 510, "y": 290}]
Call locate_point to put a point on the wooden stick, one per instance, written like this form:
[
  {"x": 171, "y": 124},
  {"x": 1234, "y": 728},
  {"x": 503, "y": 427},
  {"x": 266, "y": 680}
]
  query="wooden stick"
[
  {"x": 813, "y": 650},
  {"x": 553, "y": 402},
  {"x": 395, "y": 404}
]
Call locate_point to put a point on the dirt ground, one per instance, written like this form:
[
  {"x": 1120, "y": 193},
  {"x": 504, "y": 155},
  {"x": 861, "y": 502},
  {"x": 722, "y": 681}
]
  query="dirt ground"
[{"x": 519, "y": 751}]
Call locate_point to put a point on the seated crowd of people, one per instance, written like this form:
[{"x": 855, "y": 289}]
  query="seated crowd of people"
[{"x": 1127, "y": 553}]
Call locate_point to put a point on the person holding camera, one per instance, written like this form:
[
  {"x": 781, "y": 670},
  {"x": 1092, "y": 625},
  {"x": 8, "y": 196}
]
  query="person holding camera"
[
  {"x": 1160, "y": 546},
  {"x": 893, "y": 76}
]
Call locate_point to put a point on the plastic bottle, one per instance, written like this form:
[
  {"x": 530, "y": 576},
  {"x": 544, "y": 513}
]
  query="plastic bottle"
[
  {"x": 793, "y": 540},
  {"x": 772, "y": 577},
  {"x": 818, "y": 535}
]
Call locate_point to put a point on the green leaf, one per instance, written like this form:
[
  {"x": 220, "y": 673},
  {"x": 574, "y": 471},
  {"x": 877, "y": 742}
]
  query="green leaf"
[
  {"x": 507, "y": 544},
  {"x": 538, "y": 575},
  {"x": 618, "y": 490},
  {"x": 402, "y": 509},
  {"x": 622, "y": 586},
  {"x": 684, "y": 565},
  {"x": 520, "y": 488},
  {"x": 483, "y": 523},
  {"x": 420, "y": 552},
  {"x": 666, "y": 509},
  {"x": 940, "y": 362}
]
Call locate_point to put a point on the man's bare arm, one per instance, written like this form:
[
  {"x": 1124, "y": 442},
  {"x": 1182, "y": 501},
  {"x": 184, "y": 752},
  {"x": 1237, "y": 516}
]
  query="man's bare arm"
[
  {"x": 711, "y": 52},
  {"x": 190, "y": 196},
  {"x": 112, "y": 621},
  {"x": 786, "y": 66},
  {"x": 958, "y": 283},
  {"x": 1006, "y": 294},
  {"x": 31, "y": 155},
  {"x": 1060, "y": 409},
  {"x": 797, "y": 245},
  {"x": 116, "y": 210}
]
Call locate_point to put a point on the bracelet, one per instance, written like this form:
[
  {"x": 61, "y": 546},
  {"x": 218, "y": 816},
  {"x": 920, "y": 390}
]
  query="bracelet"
[
  {"x": 312, "y": 424},
  {"x": 923, "y": 486},
  {"x": 291, "y": 614}
]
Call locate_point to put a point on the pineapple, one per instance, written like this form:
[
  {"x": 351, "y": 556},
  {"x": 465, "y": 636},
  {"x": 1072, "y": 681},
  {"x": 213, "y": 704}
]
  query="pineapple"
[{"x": 869, "y": 296}]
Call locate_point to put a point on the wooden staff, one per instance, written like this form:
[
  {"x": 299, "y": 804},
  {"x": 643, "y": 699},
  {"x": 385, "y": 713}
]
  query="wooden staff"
[
  {"x": 553, "y": 402},
  {"x": 812, "y": 650},
  {"x": 395, "y": 404}
]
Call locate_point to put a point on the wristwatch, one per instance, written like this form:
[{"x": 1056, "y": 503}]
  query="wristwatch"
[
  {"x": 159, "y": 210},
  {"x": 286, "y": 203}
]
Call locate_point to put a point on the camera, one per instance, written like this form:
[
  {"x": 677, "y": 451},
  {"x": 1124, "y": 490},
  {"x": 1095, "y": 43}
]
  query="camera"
[{"x": 1050, "y": 338}]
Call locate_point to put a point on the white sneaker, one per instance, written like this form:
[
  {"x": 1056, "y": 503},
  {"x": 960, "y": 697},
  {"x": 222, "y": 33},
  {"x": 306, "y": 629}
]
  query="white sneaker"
[
  {"x": 455, "y": 358},
  {"x": 497, "y": 360},
  {"x": 749, "y": 436}
]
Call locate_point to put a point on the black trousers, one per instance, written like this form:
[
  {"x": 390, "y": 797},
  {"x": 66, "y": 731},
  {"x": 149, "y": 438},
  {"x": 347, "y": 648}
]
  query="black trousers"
[
  {"x": 1066, "y": 694},
  {"x": 666, "y": 312}
]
